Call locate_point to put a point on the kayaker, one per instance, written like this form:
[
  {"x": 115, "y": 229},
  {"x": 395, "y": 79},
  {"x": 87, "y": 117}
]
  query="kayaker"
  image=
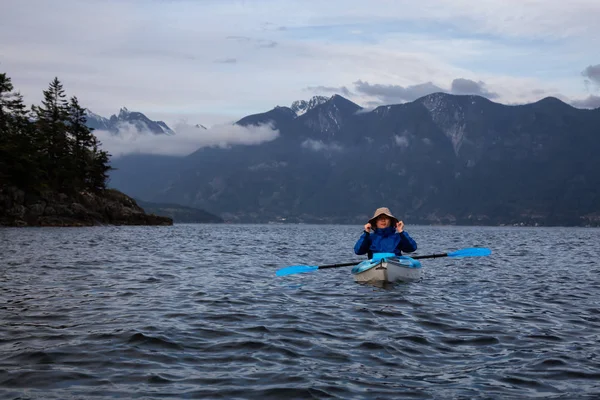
[{"x": 384, "y": 233}]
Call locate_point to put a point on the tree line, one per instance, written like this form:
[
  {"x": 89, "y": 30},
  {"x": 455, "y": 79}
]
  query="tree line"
[{"x": 48, "y": 147}]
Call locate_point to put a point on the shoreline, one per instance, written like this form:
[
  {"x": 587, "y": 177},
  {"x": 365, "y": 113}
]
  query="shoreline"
[{"x": 84, "y": 209}]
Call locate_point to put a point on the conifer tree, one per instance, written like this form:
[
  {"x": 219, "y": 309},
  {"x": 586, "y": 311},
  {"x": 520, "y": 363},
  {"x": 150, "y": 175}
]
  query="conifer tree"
[
  {"x": 82, "y": 144},
  {"x": 57, "y": 151},
  {"x": 17, "y": 150},
  {"x": 11, "y": 106},
  {"x": 99, "y": 167},
  {"x": 51, "y": 122}
]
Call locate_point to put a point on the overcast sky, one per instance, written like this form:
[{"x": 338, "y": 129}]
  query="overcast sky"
[{"x": 215, "y": 61}]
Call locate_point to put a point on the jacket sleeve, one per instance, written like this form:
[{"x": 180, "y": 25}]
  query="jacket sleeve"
[
  {"x": 406, "y": 244},
  {"x": 362, "y": 245}
]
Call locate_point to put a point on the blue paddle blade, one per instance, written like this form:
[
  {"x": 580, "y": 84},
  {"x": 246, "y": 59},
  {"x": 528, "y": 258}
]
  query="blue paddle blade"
[
  {"x": 471, "y": 252},
  {"x": 296, "y": 269}
]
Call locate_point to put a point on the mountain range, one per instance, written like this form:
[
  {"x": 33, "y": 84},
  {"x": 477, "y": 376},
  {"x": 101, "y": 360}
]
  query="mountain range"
[
  {"x": 441, "y": 159},
  {"x": 125, "y": 120}
]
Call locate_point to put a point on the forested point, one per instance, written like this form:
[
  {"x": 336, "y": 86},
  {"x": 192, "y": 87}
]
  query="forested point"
[{"x": 50, "y": 160}]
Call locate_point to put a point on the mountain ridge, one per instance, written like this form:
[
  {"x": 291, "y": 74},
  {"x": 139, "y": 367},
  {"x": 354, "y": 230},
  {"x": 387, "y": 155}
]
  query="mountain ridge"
[
  {"x": 125, "y": 119},
  {"x": 439, "y": 159}
]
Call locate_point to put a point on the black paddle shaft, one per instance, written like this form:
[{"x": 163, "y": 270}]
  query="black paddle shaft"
[
  {"x": 338, "y": 265},
  {"x": 356, "y": 262},
  {"x": 430, "y": 256}
]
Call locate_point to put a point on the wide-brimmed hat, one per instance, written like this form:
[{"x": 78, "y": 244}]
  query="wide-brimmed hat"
[{"x": 385, "y": 211}]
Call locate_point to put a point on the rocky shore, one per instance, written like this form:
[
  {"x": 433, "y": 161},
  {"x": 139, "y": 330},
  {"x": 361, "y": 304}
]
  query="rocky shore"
[{"x": 108, "y": 207}]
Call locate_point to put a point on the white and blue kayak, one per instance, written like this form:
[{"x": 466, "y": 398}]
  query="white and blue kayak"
[{"x": 388, "y": 267}]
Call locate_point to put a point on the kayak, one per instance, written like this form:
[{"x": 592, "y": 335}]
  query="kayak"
[{"x": 388, "y": 269}]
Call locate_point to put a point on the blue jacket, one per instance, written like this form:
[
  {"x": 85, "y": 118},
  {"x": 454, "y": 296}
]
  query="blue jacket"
[{"x": 386, "y": 240}]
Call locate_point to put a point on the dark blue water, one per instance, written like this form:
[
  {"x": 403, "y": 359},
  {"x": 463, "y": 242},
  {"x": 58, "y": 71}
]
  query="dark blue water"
[{"x": 195, "y": 311}]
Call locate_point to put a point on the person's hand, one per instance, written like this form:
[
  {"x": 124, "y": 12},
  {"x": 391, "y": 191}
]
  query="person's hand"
[
  {"x": 400, "y": 226},
  {"x": 367, "y": 227}
]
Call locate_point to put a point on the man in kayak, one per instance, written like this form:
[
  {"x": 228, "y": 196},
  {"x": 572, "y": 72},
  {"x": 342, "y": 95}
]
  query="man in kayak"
[{"x": 384, "y": 233}]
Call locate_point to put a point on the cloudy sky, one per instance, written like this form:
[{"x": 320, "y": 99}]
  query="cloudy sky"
[{"x": 215, "y": 61}]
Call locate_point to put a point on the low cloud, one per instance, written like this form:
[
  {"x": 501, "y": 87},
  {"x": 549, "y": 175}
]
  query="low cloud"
[
  {"x": 186, "y": 140},
  {"x": 467, "y": 86},
  {"x": 319, "y": 145},
  {"x": 389, "y": 94},
  {"x": 401, "y": 141},
  {"x": 592, "y": 72},
  {"x": 590, "y": 102},
  {"x": 370, "y": 106}
]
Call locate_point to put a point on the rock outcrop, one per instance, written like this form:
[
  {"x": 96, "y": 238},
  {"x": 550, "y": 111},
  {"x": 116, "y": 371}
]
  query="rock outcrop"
[{"x": 109, "y": 207}]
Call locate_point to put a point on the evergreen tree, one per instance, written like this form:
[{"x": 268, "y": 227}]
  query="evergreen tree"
[
  {"x": 52, "y": 120},
  {"x": 11, "y": 106},
  {"x": 99, "y": 166},
  {"x": 6, "y": 144},
  {"x": 18, "y": 165},
  {"x": 57, "y": 151},
  {"x": 82, "y": 144}
]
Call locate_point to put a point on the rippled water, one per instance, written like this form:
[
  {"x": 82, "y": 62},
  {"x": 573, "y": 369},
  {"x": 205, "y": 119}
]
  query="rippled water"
[{"x": 195, "y": 311}]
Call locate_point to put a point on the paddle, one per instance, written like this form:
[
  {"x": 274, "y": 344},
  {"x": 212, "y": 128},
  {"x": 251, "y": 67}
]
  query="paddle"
[{"x": 468, "y": 252}]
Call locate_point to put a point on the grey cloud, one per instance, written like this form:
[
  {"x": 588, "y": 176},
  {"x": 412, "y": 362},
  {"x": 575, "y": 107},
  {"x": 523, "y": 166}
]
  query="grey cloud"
[
  {"x": 270, "y": 26},
  {"x": 227, "y": 61},
  {"x": 330, "y": 89},
  {"x": 590, "y": 102},
  {"x": 395, "y": 93},
  {"x": 267, "y": 44},
  {"x": 467, "y": 86},
  {"x": 130, "y": 50},
  {"x": 263, "y": 43},
  {"x": 239, "y": 38},
  {"x": 592, "y": 72}
]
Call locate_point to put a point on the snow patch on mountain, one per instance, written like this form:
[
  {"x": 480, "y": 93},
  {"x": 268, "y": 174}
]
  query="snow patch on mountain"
[
  {"x": 268, "y": 166},
  {"x": 448, "y": 116},
  {"x": 300, "y": 107},
  {"x": 325, "y": 119}
]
